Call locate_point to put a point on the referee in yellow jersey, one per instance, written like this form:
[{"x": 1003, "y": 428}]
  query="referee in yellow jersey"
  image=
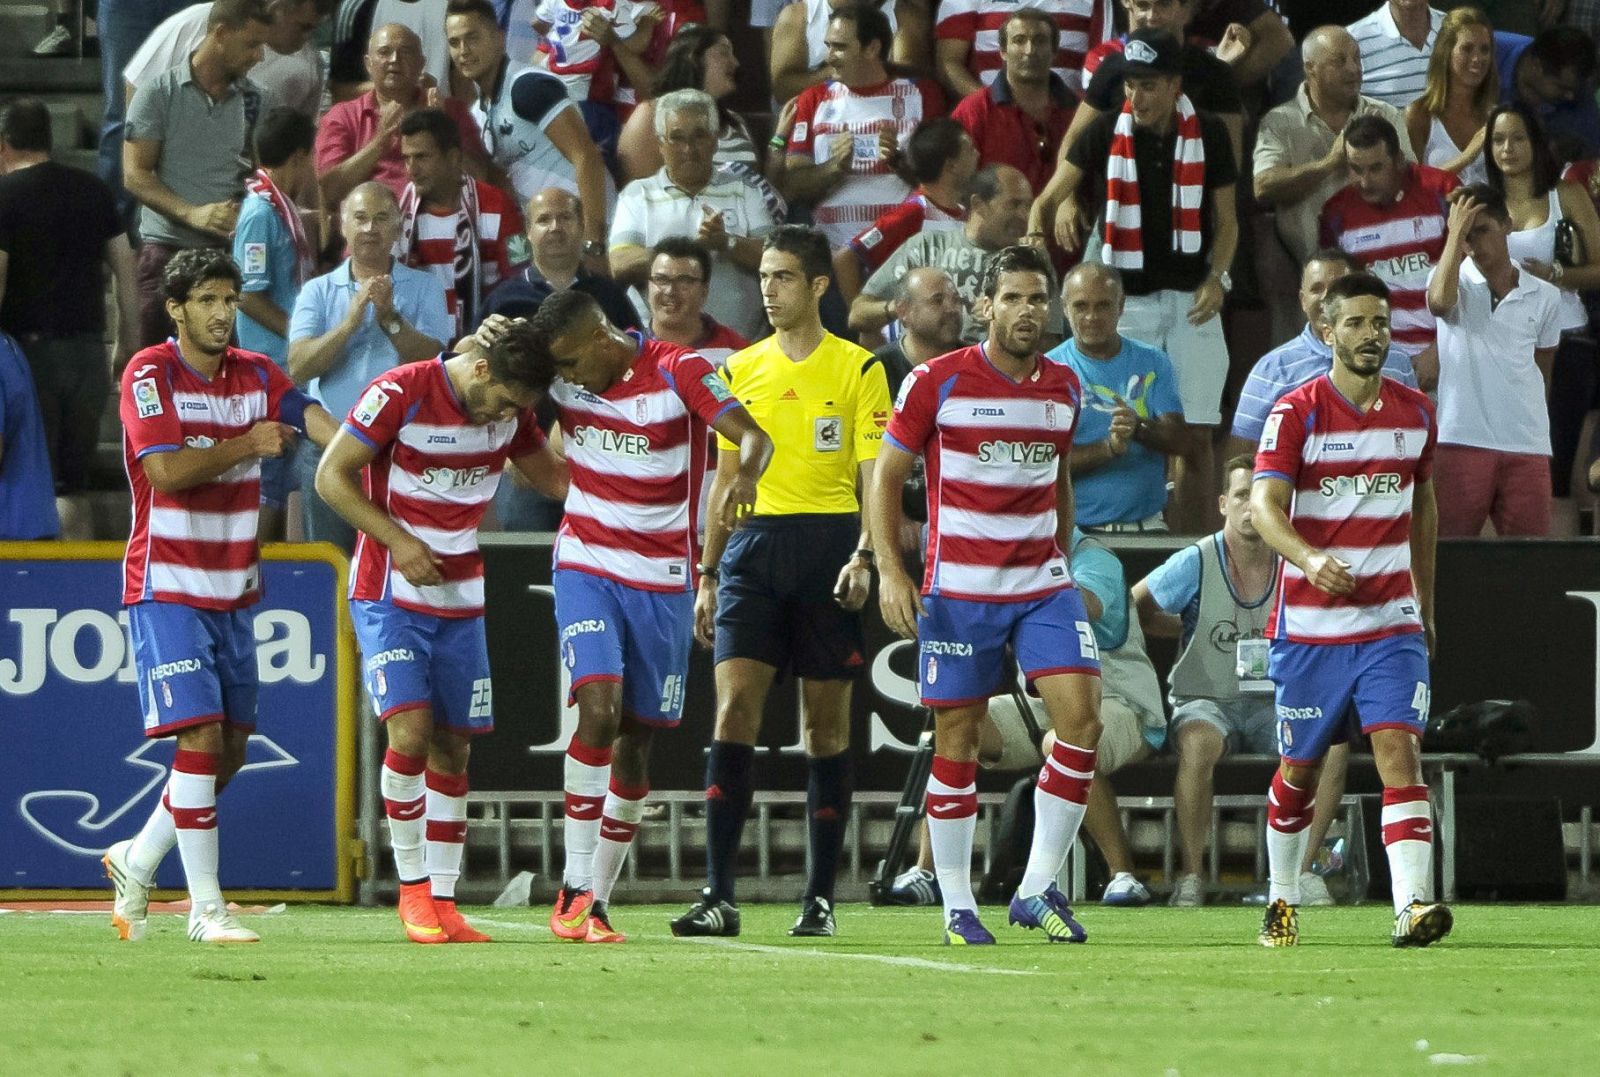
[{"x": 784, "y": 592}]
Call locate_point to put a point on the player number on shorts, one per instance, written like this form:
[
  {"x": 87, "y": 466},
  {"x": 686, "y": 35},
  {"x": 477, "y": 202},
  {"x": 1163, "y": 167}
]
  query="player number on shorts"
[
  {"x": 1086, "y": 643},
  {"x": 482, "y": 699},
  {"x": 1422, "y": 701}
]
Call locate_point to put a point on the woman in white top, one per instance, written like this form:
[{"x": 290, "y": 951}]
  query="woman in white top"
[{"x": 1446, "y": 123}]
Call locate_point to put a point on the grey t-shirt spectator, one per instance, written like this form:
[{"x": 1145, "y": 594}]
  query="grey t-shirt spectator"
[
  {"x": 205, "y": 146},
  {"x": 953, "y": 252}
]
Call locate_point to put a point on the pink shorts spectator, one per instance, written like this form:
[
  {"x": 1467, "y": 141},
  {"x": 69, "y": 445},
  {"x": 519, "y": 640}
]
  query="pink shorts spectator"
[{"x": 1474, "y": 485}]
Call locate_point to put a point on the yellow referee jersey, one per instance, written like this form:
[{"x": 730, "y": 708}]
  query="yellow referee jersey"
[{"x": 825, "y": 415}]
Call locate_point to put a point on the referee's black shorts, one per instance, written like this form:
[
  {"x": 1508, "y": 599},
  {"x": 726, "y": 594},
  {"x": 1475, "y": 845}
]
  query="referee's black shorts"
[{"x": 775, "y": 602}]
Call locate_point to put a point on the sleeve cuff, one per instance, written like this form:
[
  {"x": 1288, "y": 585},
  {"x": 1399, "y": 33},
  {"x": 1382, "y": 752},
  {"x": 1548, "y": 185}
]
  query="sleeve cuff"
[{"x": 351, "y": 429}]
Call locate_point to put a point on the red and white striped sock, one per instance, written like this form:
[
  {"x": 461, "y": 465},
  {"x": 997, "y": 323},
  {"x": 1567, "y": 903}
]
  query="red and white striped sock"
[
  {"x": 1059, "y": 802},
  {"x": 447, "y": 831},
  {"x": 152, "y": 844},
  {"x": 402, "y": 785},
  {"x": 1408, "y": 841},
  {"x": 588, "y": 772},
  {"x": 1288, "y": 817},
  {"x": 192, "y": 797},
  {"x": 619, "y": 823},
  {"x": 952, "y": 806}
]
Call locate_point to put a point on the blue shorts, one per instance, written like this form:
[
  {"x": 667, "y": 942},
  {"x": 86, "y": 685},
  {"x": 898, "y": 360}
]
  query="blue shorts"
[
  {"x": 412, "y": 660},
  {"x": 962, "y": 644},
  {"x": 278, "y": 478},
  {"x": 1384, "y": 680},
  {"x": 613, "y": 632},
  {"x": 194, "y": 666}
]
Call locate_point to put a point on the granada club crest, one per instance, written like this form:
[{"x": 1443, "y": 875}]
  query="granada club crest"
[
  {"x": 1400, "y": 444},
  {"x": 641, "y": 410},
  {"x": 933, "y": 669},
  {"x": 1050, "y": 414},
  {"x": 380, "y": 682}
]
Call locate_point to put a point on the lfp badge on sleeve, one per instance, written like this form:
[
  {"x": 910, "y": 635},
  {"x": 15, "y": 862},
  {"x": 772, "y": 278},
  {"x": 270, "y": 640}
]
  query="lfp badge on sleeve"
[{"x": 78, "y": 773}]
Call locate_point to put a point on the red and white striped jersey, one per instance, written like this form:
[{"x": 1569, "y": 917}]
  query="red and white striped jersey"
[
  {"x": 437, "y": 246},
  {"x": 992, "y": 448},
  {"x": 637, "y": 454},
  {"x": 1082, "y": 24},
  {"x": 197, "y": 547},
  {"x": 435, "y": 474},
  {"x": 1400, "y": 243},
  {"x": 717, "y": 342},
  {"x": 1353, "y": 476},
  {"x": 833, "y": 110},
  {"x": 918, "y": 213}
]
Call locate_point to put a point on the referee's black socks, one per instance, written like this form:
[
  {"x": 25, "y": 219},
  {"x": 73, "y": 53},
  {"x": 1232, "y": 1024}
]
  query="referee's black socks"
[
  {"x": 828, "y": 813},
  {"x": 729, "y": 786}
]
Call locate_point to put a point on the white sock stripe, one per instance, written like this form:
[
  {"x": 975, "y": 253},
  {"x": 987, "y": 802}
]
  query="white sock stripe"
[
  {"x": 1411, "y": 809},
  {"x": 191, "y": 790},
  {"x": 1082, "y": 775},
  {"x": 623, "y": 810},
  {"x": 580, "y": 779},
  {"x": 938, "y": 788}
]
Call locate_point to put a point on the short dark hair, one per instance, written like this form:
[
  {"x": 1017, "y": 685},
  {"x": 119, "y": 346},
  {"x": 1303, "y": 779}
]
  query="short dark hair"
[
  {"x": 985, "y": 185},
  {"x": 282, "y": 133},
  {"x": 1564, "y": 48},
  {"x": 1026, "y": 14},
  {"x": 1242, "y": 462},
  {"x": 481, "y": 8},
  {"x": 934, "y": 144},
  {"x": 1542, "y": 159},
  {"x": 520, "y": 356},
  {"x": 1368, "y": 130},
  {"x": 26, "y": 125},
  {"x": 684, "y": 247},
  {"x": 435, "y": 122},
  {"x": 684, "y": 65},
  {"x": 1351, "y": 263},
  {"x": 1016, "y": 259},
  {"x": 871, "y": 25},
  {"x": 560, "y": 312},
  {"x": 806, "y": 244},
  {"x": 192, "y": 267},
  {"x": 1350, "y": 286},
  {"x": 234, "y": 14},
  {"x": 1489, "y": 197}
]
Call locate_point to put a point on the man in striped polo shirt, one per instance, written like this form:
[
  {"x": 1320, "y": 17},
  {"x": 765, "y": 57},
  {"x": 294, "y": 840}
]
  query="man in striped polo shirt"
[
  {"x": 413, "y": 469},
  {"x": 1396, "y": 43},
  {"x": 198, "y": 418},
  {"x": 1343, "y": 493}
]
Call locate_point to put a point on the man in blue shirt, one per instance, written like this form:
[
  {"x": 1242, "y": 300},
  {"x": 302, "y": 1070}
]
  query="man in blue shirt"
[
  {"x": 350, "y": 325},
  {"x": 1291, "y": 365},
  {"x": 1553, "y": 74},
  {"x": 27, "y": 491},
  {"x": 276, "y": 258},
  {"x": 1132, "y": 414}
]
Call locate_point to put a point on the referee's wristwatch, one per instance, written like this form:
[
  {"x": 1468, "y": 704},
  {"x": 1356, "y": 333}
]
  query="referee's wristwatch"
[{"x": 709, "y": 572}]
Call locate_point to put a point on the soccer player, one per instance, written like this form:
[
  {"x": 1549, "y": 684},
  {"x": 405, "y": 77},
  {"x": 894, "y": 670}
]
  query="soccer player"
[
  {"x": 413, "y": 468},
  {"x": 994, "y": 422},
  {"x": 794, "y": 578},
  {"x": 1344, "y": 493},
  {"x": 633, "y": 414},
  {"x": 198, "y": 418}
]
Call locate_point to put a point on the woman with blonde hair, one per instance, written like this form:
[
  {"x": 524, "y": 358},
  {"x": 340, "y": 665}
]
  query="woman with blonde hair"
[{"x": 1446, "y": 123}]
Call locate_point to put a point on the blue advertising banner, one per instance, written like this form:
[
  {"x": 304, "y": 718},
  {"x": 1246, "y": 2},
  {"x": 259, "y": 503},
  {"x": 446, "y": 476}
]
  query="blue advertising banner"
[{"x": 78, "y": 773}]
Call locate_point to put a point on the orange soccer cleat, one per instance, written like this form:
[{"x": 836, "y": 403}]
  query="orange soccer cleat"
[
  {"x": 418, "y": 915},
  {"x": 570, "y": 918},
  {"x": 455, "y": 925},
  {"x": 600, "y": 929}
]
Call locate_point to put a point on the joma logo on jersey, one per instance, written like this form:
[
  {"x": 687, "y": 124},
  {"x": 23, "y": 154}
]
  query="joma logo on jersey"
[
  {"x": 1386, "y": 485},
  {"x": 1016, "y": 452},
  {"x": 998, "y": 413},
  {"x": 451, "y": 478},
  {"x": 611, "y": 442},
  {"x": 441, "y": 439}
]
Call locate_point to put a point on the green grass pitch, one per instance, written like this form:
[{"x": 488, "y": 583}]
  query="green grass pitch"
[{"x": 1516, "y": 989}]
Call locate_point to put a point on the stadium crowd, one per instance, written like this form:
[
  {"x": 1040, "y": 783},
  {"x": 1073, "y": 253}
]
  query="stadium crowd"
[{"x": 456, "y": 174}]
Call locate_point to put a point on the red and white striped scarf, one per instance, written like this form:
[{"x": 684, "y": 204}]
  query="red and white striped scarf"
[
  {"x": 1124, "y": 246},
  {"x": 468, "y": 265},
  {"x": 289, "y": 213}
]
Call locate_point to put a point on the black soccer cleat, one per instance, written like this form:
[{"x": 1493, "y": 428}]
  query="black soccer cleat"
[
  {"x": 1422, "y": 923},
  {"x": 816, "y": 920},
  {"x": 707, "y": 918}
]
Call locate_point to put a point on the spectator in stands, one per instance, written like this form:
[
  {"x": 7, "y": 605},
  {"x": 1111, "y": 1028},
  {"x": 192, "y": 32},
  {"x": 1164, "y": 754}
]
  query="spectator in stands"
[
  {"x": 555, "y": 240},
  {"x": 59, "y": 233},
  {"x": 678, "y": 287},
  {"x": 639, "y": 72},
  {"x": 1446, "y": 123},
  {"x": 930, "y": 313},
  {"x": 942, "y": 160},
  {"x": 359, "y": 139},
  {"x": 1307, "y": 356},
  {"x": 1023, "y": 114},
  {"x": 1249, "y": 35},
  {"x": 582, "y": 43},
  {"x": 290, "y": 72},
  {"x": 1498, "y": 330},
  {"x": 452, "y": 225},
  {"x": 1132, "y": 417},
  {"x": 836, "y": 163},
  {"x": 27, "y": 494},
  {"x": 800, "y": 57},
  {"x": 123, "y": 26},
  {"x": 971, "y": 52},
  {"x": 1174, "y": 265},
  {"x": 187, "y": 140},
  {"x": 348, "y": 326},
  {"x": 699, "y": 58},
  {"x": 1392, "y": 218},
  {"x": 1553, "y": 74},
  {"x": 276, "y": 255},
  {"x": 692, "y": 197},
  {"x": 533, "y": 131},
  {"x": 356, "y": 23},
  {"x": 997, "y": 211},
  {"x": 1396, "y": 42}
]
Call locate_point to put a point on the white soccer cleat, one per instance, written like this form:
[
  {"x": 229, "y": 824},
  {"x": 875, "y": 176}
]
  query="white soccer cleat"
[
  {"x": 213, "y": 923},
  {"x": 1187, "y": 894},
  {"x": 1314, "y": 890},
  {"x": 131, "y": 908}
]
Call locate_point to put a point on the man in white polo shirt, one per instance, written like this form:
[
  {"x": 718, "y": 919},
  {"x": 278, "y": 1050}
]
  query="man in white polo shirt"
[
  {"x": 1396, "y": 42},
  {"x": 1497, "y": 333},
  {"x": 692, "y": 197}
]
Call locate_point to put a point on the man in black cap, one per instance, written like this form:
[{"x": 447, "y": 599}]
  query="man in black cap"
[{"x": 1158, "y": 176}]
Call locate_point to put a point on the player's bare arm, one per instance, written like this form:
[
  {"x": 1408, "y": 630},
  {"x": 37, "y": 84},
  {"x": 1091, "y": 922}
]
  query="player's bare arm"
[
  {"x": 717, "y": 531},
  {"x": 855, "y": 578},
  {"x": 1269, "y": 509},
  {"x": 1066, "y": 506},
  {"x": 546, "y": 471},
  {"x": 339, "y": 484},
  {"x": 192, "y": 466},
  {"x": 320, "y": 425},
  {"x": 897, "y": 592},
  {"x": 738, "y": 496},
  {"x": 1424, "y": 547}
]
